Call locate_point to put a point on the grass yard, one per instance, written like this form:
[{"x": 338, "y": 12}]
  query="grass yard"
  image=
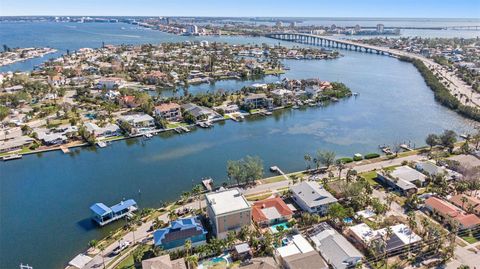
[{"x": 370, "y": 177}]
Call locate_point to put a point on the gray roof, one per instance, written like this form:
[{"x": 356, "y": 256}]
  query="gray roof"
[
  {"x": 334, "y": 247},
  {"x": 305, "y": 261},
  {"x": 408, "y": 174},
  {"x": 198, "y": 111},
  {"x": 313, "y": 194}
]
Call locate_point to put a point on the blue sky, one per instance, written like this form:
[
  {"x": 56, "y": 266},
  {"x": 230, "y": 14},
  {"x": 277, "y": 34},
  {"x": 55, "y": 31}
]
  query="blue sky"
[{"x": 257, "y": 8}]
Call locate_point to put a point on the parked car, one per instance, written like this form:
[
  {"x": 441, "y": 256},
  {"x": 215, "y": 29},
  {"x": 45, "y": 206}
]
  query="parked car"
[{"x": 122, "y": 246}]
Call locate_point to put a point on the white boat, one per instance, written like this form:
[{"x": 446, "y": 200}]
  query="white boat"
[
  {"x": 11, "y": 157},
  {"x": 148, "y": 135}
]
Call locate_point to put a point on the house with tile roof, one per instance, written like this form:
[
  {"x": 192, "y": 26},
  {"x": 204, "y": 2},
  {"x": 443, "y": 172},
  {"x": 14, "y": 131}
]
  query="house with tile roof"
[
  {"x": 446, "y": 210},
  {"x": 466, "y": 202},
  {"x": 271, "y": 211}
]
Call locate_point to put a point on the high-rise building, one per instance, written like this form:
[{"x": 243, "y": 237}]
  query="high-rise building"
[
  {"x": 380, "y": 28},
  {"x": 192, "y": 29}
]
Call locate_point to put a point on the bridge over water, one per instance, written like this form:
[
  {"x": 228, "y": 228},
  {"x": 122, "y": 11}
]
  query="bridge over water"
[{"x": 328, "y": 41}]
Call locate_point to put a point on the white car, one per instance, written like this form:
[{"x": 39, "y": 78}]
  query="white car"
[{"x": 122, "y": 246}]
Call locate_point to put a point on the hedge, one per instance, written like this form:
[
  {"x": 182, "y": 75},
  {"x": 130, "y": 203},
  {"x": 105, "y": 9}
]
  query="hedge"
[
  {"x": 357, "y": 158},
  {"x": 372, "y": 155},
  {"x": 346, "y": 160}
]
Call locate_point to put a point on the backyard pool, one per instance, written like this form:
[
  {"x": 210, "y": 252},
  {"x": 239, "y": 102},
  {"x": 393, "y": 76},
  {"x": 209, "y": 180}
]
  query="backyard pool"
[{"x": 275, "y": 228}]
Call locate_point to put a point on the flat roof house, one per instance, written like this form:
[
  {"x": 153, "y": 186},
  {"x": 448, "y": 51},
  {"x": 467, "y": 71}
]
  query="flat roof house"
[
  {"x": 106, "y": 131},
  {"x": 403, "y": 179},
  {"x": 140, "y": 121},
  {"x": 271, "y": 211},
  {"x": 228, "y": 210},
  {"x": 179, "y": 231},
  {"x": 312, "y": 197},
  {"x": 335, "y": 249},
  {"x": 16, "y": 143},
  {"x": 299, "y": 254},
  {"x": 257, "y": 100},
  {"x": 169, "y": 111},
  {"x": 401, "y": 237}
]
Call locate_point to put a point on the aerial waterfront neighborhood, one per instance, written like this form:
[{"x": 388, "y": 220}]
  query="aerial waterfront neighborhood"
[{"x": 251, "y": 135}]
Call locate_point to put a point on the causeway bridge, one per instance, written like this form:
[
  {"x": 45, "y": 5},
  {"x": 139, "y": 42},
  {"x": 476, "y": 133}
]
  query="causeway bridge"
[{"x": 327, "y": 41}]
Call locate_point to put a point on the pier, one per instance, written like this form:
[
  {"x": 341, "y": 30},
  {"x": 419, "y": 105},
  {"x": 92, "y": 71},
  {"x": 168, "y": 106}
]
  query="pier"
[
  {"x": 278, "y": 170},
  {"x": 64, "y": 149},
  {"x": 208, "y": 184}
]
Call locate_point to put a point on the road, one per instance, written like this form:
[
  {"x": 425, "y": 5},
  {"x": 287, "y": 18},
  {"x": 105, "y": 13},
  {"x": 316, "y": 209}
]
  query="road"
[{"x": 142, "y": 234}]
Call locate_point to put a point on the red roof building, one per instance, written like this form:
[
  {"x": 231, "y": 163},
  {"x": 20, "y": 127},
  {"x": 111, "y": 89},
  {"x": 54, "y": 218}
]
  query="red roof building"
[
  {"x": 270, "y": 211},
  {"x": 446, "y": 209},
  {"x": 469, "y": 204}
]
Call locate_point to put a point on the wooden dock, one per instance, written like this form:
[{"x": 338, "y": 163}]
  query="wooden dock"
[
  {"x": 64, "y": 149},
  {"x": 278, "y": 170}
]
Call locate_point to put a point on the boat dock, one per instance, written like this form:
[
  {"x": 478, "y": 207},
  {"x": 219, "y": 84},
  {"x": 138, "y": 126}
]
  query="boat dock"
[
  {"x": 101, "y": 144},
  {"x": 208, "y": 184},
  {"x": 11, "y": 157},
  {"x": 103, "y": 214},
  {"x": 276, "y": 169},
  {"x": 64, "y": 149}
]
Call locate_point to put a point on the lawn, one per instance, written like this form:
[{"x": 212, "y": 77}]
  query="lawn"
[
  {"x": 370, "y": 177},
  {"x": 470, "y": 239},
  {"x": 128, "y": 263},
  {"x": 258, "y": 197},
  {"x": 172, "y": 125},
  {"x": 273, "y": 179}
]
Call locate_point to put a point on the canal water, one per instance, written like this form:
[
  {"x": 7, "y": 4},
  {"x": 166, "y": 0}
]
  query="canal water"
[{"x": 44, "y": 198}]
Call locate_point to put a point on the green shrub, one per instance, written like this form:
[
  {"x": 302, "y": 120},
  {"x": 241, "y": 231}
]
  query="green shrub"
[
  {"x": 346, "y": 160},
  {"x": 357, "y": 158},
  {"x": 372, "y": 155}
]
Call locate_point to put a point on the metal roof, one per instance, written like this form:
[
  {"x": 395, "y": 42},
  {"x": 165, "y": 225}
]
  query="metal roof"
[
  {"x": 123, "y": 205},
  {"x": 100, "y": 209}
]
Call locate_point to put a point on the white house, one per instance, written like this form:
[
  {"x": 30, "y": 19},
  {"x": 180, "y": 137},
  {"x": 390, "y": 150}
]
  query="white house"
[{"x": 312, "y": 197}]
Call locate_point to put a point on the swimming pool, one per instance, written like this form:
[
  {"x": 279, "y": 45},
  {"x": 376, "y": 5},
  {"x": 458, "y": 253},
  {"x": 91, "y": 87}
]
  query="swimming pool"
[{"x": 274, "y": 228}]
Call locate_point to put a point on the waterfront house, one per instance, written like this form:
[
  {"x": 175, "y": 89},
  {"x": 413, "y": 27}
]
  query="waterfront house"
[
  {"x": 179, "y": 231},
  {"x": 200, "y": 112},
  {"x": 140, "y": 122},
  {"x": 257, "y": 100},
  {"x": 228, "y": 210},
  {"x": 106, "y": 131},
  {"x": 227, "y": 108},
  {"x": 283, "y": 95},
  {"x": 466, "y": 202},
  {"x": 103, "y": 214},
  {"x": 163, "y": 262},
  {"x": 313, "y": 91},
  {"x": 15, "y": 144},
  {"x": 431, "y": 169},
  {"x": 169, "y": 111},
  {"x": 51, "y": 139},
  {"x": 312, "y": 197},
  {"x": 403, "y": 179},
  {"x": 271, "y": 211},
  {"x": 297, "y": 253},
  {"x": 156, "y": 77},
  {"x": 446, "y": 211},
  {"x": 401, "y": 238},
  {"x": 333, "y": 247}
]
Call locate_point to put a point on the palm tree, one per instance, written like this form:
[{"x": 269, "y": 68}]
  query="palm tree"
[
  {"x": 463, "y": 200},
  {"x": 307, "y": 159},
  {"x": 340, "y": 165},
  {"x": 192, "y": 261},
  {"x": 188, "y": 246},
  {"x": 102, "y": 248}
]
